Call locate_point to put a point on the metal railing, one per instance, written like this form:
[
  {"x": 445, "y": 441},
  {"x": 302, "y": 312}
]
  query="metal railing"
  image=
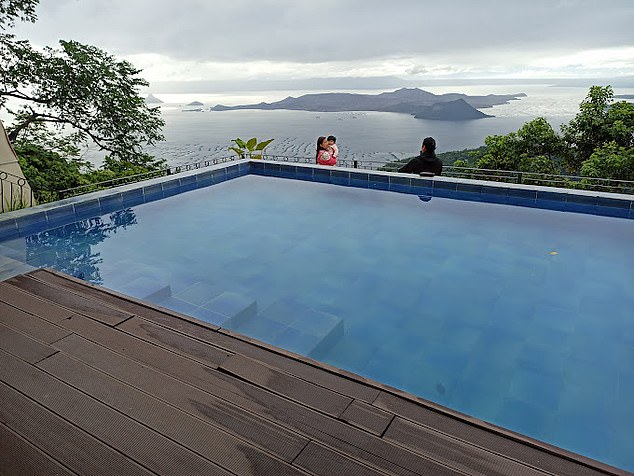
[
  {"x": 22, "y": 196},
  {"x": 15, "y": 193},
  {"x": 93, "y": 187},
  {"x": 507, "y": 176}
]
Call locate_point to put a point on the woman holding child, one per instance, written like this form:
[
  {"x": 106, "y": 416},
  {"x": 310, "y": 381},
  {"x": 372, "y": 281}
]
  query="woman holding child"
[{"x": 325, "y": 155}]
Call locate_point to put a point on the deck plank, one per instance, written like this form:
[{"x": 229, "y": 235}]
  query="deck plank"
[
  {"x": 321, "y": 460},
  {"x": 236, "y": 344},
  {"x": 95, "y": 309},
  {"x": 32, "y": 326},
  {"x": 464, "y": 456},
  {"x": 143, "y": 445},
  {"x": 71, "y": 446},
  {"x": 32, "y": 304},
  {"x": 20, "y": 457},
  {"x": 23, "y": 346},
  {"x": 276, "y": 439},
  {"x": 367, "y": 417},
  {"x": 288, "y": 386},
  {"x": 236, "y": 455},
  {"x": 183, "y": 345}
]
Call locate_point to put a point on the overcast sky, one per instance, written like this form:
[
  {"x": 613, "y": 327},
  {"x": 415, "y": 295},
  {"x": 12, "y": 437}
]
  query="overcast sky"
[{"x": 182, "y": 40}]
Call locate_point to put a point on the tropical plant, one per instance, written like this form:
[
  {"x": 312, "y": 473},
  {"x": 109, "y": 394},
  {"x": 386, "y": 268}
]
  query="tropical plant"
[{"x": 251, "y": 148}]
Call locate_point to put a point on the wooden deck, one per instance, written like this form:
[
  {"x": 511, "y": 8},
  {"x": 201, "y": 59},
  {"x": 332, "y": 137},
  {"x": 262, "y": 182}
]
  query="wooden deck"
[{"x": 96, "y": 383}]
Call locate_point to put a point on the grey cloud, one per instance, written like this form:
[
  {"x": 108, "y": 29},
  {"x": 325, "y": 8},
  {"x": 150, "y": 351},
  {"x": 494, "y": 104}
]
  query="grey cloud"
[{"x": 306, "y": 31}]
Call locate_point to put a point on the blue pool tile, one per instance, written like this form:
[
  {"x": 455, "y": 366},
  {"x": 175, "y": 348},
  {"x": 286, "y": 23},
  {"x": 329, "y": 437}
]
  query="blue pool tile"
[
  {"x": 232, "y": 171},
  {"x": 551, "y": 196},
  {"x": 89, "y": 208},
  {"x": 304, "y": 173},
  {"x": 379, "y": 182},
  {"x": 469, "y": 188},
  {"x": 258, "y": 327},
  {"x": 8, "y": 229},
  {"x": 400, "y": 184},
  {"x": 33, "y": 223},
  {"x": 244, "y": 168},
  {"x": 288, "y": 171},
  {"x": 171, "y": 187},
  {"x": 237, "y": 307},
  {"x": 610, "y": 211},
  {"x": 340, "y": 177},
  {"x": 296, "y": 340},
  {"x": 206, "y": 315},
  {"x": 219, "y": 176},
  {"x": 188, "y": 183},
  {"x": 130, "y": 198},
  {"x": 257, "y": 167},
  {"x": 524, "y": 417},
  {"x": 60, "y": 215},
  {"x": 322, "y": 176},
  {"x": 153, "y": 192},
  {"x": 111, "y": 203},
  {"x": 359, "y": 180},
  {"x": 582, "y": 199},
  {"x": 199, "y": 293},
  {"x": 204, "y": 179},
  {"x": 272, "y": 169}
]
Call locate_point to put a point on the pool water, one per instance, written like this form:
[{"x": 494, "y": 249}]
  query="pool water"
[{"x": 518, "y": 316}]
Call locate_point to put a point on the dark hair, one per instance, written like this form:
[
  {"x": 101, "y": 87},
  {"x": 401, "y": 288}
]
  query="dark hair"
[
  {"x": 319, "y": 147},
  {"x": 430, "y": 144},
  {"x": 332, "y": 138}
]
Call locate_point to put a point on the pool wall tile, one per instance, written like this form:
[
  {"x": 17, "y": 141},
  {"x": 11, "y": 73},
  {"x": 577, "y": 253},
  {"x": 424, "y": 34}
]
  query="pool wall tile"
[
  {"x": 59, "y": 216},
  {"x": 8, "y": 229},
  {"x": 340, "y": 177},
  {"x": 257, "y": 167},
  {"x": 171, "y": 188},
  {"x": 33, "y": 223},
  {"x": 130, "y": 198},
  {"x": 153, "y": 192},
  {"x": 219, "y": 176},
  {"x": 379, "y": 182},
  {"x": 400, "y": 184},
  {"x": 187, "y": 183},
  {"x": 359, "y": 180},
  {"x": 110, "y": 203},
  {"x": 304, "y": 173},
  {"x": 288, "y": 171},
  {"x": 322, "y": 176},
  {"x": 204, "y": 179}
]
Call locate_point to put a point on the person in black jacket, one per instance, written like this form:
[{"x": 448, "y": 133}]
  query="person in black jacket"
[{"x": 426, "y": 161}]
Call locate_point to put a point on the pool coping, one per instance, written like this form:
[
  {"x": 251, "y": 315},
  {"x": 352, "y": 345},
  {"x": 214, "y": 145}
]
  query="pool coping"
[{"x": 27, "y": 221}]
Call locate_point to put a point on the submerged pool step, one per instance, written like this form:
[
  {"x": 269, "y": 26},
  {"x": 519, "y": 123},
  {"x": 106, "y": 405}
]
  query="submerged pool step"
[{"x": 293, "y": 326}]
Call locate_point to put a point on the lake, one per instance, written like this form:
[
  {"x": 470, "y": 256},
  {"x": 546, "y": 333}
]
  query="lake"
[{"x": 195, "y": 136}]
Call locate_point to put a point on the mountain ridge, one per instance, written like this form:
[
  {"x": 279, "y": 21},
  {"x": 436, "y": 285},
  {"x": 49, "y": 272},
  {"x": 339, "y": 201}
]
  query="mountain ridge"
[{"x": 420, "y": 103}]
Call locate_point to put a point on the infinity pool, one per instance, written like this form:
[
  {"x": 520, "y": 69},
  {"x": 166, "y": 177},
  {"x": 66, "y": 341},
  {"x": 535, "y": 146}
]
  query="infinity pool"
[{"x": 518, "y": 316}]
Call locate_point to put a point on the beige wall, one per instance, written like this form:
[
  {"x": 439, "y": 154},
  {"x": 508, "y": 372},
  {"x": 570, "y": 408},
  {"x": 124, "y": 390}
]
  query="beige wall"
[{"x": 11, "y": 195}]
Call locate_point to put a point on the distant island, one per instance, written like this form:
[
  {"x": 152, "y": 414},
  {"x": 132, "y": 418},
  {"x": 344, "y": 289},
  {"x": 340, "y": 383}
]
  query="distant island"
[
  {"x": 151, "y": 99},
  {"x": 421, "y": 104},
  {"x": 624, "y": 96},
  {"x": 195, "y": 103}
]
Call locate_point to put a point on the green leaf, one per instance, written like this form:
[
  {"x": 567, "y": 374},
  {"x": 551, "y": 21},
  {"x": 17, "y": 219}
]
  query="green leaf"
[
  {"x": 263, "y": 144},
  {"x": 252, "y": 143},
  {"x": 240, "y": 152},
  {"x": 240, "y": 143}
]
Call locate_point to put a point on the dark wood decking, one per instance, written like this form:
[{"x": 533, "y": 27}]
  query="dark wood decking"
[{"x": 93, "y": 382}]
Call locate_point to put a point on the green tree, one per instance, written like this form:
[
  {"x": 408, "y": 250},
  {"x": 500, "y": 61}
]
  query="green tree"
[
  {"x": 63, "y": 99},
  {"x": 535, "y": 147},
  {"x": 600, "y": 121},
  {"x": 10, "y": 10},
  {"x": 610, "y": 161}
]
